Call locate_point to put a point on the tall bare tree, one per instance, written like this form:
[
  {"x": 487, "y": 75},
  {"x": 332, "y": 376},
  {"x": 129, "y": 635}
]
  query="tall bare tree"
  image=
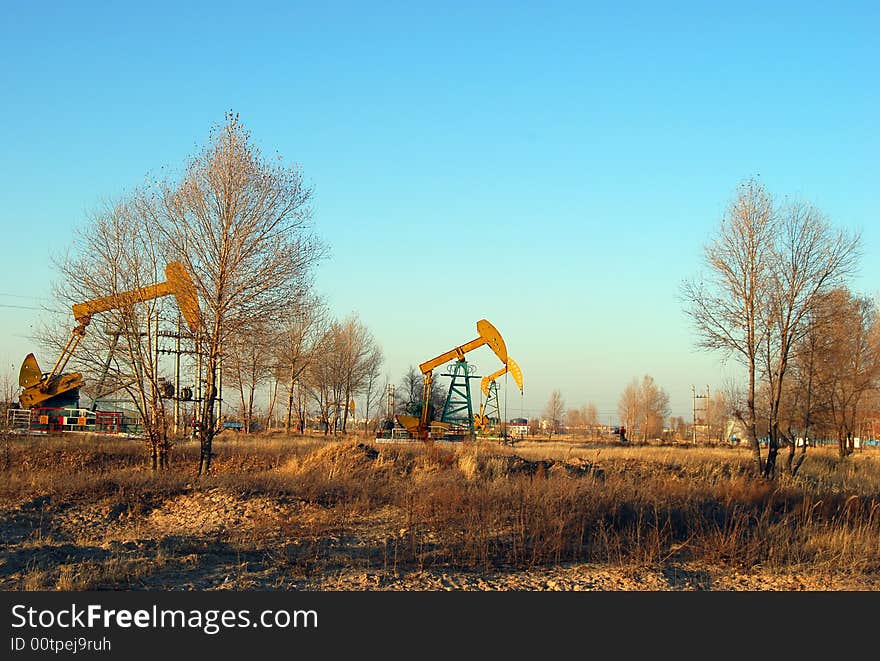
[
  {"x": 241, "y": 224},
  {"x": 810, "y": 260},
  {"x": 9, "y": 389},
  {"x": 766, "y": 269},
  {"x": 346, "y": 363},
  {"x": 117, "y": 253},
  {"x": 726, "y": 304},
  {"x": 299, "y": 404},
  {"x": 803, "y": 403}
]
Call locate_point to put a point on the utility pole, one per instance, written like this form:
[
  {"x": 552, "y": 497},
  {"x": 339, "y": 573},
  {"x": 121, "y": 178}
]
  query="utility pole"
[
  {"x": 704, "y": 408},
  {"x": 389, "y": 401},
  {"x": 177, "y": 377},
  {"x": 708, "y": 427}
]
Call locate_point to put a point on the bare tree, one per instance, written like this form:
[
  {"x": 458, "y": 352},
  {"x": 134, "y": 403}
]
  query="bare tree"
[
  {"x": 678, "y": 426},
  {"x": 300, "y": 332},
  {"x": 574, "y": 419},
  {"x": 718, "y": 410},
  {"x": 374, "y": 405},
  {"x": 361, "y": 359},
  {"x": 653, "y": 407},
  {"x": 9, "y": 389},
  {"x": 554, "y": 411},
  {"x": 849, "y": 365},
  {"x": 325, "y": 378},
  {"x": 629, "y": 407},
  {"x": 117, "y": 253},
  {"x": 590, "y": 417},
  {"x": 803, "y": 404},
  {"x": 240, "y": 223},
  {"x": 810, "y": 259},
  {"x": 726, "y": 305},
  {"x": 409, "y": 392},
  {"x": 409, "y": 395},
  {"x": 299, "y": 403},
  {"x": 767, "y": 267},
  {"x": 247, "y": 366},
  {"x": 438, "y": 396},
  {"x": 346, "y": 363}
]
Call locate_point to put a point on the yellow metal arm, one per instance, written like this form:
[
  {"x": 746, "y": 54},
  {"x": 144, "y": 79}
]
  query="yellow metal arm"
[
  {"x": 38, "y": 387},
  {"x": 488, "y": 335},
  {"x": 426, "y": 397},
  {"x": 514, "y": 369},
  {"x": 484, "y": 383},
  {"x": 84, "y": 311},
  {"x": 511, "y": 367},
  {"x": 177, "y": 282}
]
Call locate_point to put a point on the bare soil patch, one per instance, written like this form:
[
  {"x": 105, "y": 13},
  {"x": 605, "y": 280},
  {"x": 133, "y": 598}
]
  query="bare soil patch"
[{"x": 343, "y": 514}]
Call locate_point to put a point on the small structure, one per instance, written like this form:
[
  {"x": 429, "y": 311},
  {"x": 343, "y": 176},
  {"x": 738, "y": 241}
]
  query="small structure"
[
  {"x": 734, "y": 431},
  {"x": 518, "y": 427},
  {"x": 58, "y": 419}
]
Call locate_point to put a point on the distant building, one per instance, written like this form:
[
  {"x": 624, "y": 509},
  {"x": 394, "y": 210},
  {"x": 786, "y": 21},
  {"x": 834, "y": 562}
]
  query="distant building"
[
  {"x": 735, "y": 431},
  {"x": 518, "y": 427}
]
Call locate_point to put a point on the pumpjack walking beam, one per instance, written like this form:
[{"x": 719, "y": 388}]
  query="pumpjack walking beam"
[{"x": 38, "y": 388}]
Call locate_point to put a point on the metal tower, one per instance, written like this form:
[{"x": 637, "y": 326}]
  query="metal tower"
[
  {"x": 491, "y": 409},
  {"x": 458, "y": 410}
]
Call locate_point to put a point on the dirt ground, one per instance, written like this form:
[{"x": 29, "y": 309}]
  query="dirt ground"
[{"x": 216, "y": 540}]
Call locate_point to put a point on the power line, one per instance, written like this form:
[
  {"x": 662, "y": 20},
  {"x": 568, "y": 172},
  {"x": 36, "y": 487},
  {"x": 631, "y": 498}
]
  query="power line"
[
  {"x": 11, "y": 295},
  {"x": 19, "y": 307}
]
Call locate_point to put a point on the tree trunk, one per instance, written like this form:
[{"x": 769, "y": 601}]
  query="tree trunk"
[
  {"x": 345, "y": 411},
  {"x": 289, "y": 403},
  {"x": 243, "y": 407},
  {"x": 250, "y": 409},
  {"x": 208, "y": 422},
  {"x": 791, "y": 439},
  {"x": 270, "y": 409},
  {"x": 751, "y": 423},
  {"x": 793, "y": 469},
  {"x": 153, "y": 455},
  {"x": 772, "y": 452},
  {"x": 800, "y": 458}
]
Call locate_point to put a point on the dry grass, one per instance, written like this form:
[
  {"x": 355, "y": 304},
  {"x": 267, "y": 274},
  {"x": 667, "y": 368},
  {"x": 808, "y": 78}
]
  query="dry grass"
[{"x": 86, "y": 513}]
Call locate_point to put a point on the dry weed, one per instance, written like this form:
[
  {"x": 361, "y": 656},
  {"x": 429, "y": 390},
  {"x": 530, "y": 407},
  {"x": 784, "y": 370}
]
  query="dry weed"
[{"x": 297, "y": 507}]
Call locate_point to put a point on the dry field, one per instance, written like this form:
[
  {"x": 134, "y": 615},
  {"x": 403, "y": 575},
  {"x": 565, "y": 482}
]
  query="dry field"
[{"x": 85, "y": 513}]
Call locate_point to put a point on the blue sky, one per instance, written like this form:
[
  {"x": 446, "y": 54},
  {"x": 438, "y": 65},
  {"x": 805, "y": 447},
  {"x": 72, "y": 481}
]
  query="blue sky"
[{"x": 552, "y": 167}]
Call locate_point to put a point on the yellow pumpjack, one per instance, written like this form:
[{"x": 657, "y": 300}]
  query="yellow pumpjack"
[
  {"x": 40, "y": 389},
  {"x": 489, "y": 336}
]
